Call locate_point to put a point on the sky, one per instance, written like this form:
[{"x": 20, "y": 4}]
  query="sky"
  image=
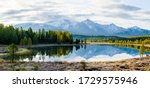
[{"x": 124, "y": 13}]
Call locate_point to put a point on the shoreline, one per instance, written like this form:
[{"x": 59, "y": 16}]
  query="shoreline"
[
  {"x": 4, "y": 48},
  {"x": 46, "y": 45},
  {"x": 136, "y": 64},
  {"x": 146, "y": 45},
  {"x": 88, "y": 43}
]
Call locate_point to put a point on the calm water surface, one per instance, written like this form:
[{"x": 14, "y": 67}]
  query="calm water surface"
[{"x": 82, "y": 52}]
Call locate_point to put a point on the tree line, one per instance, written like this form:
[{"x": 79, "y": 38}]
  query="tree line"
[
  {"x": 10, "y": 34},
  {"x": 123, "y": 40}
]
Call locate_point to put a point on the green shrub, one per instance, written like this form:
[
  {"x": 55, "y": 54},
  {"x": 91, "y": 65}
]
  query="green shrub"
[
  {"x": 23, "y": 52},
  {"x": 83, "y": 65},
  {"x": 1, "y": 60},
  {"x": 36, "y": 67}
]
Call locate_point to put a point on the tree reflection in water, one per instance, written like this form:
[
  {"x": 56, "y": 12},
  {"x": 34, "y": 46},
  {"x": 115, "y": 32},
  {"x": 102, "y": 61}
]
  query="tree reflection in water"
[
  {"x": 51, "y": 51},
  {"x": 54, "y": 51}
]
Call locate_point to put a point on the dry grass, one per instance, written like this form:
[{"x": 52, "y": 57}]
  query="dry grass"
[{"x": 124, "y": 65}]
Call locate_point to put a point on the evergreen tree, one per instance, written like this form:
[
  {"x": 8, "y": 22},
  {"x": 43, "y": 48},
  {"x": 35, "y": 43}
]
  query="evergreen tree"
[
  {"x": 85, "y": 41},
  {"x": 9, "y": 35},
  {"x": 29, "y": 42},
  {"x": 25, "y": 41},
  {"x": 21, "y": 42},
  {"x": 35, "y": 39},
  {"x": 142, "y": 48},
  {"x": 12, "y": 50}
]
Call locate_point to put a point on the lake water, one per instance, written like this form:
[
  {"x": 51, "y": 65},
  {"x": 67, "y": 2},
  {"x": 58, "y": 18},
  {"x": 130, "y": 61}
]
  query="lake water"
[{"x": 82, "y": 52}]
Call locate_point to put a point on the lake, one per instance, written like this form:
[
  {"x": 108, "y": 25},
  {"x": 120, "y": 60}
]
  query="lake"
[{"x": 82, "y": 53}]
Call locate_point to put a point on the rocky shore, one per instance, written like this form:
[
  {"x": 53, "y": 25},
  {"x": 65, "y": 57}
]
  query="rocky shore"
[{"x": 124, "y": 65}]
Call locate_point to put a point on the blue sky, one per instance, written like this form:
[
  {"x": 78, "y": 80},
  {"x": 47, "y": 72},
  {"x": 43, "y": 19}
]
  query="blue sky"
[{"x": 125, "y": 13}]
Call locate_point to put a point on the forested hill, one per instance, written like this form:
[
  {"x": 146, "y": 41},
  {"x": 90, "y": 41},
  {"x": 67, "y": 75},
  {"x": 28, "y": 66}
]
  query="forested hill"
[
  {"x": 111, "y": 38},
  {"x": 9, "y": 35}
]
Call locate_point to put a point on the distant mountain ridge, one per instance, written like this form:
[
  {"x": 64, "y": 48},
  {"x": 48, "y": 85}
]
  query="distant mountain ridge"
[{"x": 87, "y": 27}]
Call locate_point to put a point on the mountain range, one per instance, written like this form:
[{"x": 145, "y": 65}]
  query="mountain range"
[{"x": 87, "y": 27}]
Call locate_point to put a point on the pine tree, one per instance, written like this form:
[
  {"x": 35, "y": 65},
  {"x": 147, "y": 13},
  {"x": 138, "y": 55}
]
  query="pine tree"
[
  {"x": 29, "y": 42},
  {"x": 12, "y": 50},
  {"x": 142, "y": 48},
  {"x": 21, "y": 42},
  {"x": 35, "y": 39},
  {"x": 25, "y": 41}
]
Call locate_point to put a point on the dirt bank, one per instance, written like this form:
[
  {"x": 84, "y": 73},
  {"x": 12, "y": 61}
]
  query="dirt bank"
[{"x": 124, "y": 65}]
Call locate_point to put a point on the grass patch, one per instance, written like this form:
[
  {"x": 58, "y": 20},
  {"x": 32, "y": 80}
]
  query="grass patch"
[
  {"x": 1, "y": 60},
  {"x": 18, "y": 68},
  {"x": 36, "y": 67},
  {"x": 64, "y": 62},
  {"x": 23, "y": 52}
]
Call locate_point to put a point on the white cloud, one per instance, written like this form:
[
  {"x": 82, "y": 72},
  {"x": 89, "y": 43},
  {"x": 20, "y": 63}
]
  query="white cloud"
[{"x": 101, "y": 11}]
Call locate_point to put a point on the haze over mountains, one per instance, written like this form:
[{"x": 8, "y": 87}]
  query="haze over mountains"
[{"x": 87, "y": 27}]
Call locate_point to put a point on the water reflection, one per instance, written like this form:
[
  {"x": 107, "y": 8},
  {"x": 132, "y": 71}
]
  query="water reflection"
[
  {"x": 54, "y": 51},
  {"x": 82, "y": 52}
]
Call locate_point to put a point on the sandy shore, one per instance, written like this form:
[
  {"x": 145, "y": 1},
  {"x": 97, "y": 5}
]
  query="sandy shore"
[{"x": 124, "y": 65}]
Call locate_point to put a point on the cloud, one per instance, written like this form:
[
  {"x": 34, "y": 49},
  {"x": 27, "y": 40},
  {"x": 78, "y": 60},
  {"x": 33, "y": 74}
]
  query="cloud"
[
  {"x": 124, "y": 7},
  {"x": 128, "y": 16},
  {"x": 107, "y": 11},
  {"x": 122, "y": 15},
  {"x": 128, "y": 7},
  {"x": 15, "y": 12},
  {"x": 84, "y": 15}
]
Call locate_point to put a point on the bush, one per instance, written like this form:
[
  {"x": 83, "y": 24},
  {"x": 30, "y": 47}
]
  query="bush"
[
  {"x": 36, "y": 67},
  {"x": 83, "y": 65},
  {"x": 1, "y": 60},
  {"x": 23, "y": 52}
]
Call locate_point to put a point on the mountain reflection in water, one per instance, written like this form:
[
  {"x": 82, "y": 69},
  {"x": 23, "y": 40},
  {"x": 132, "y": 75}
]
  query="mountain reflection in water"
[{"x": 82, "y": 52}]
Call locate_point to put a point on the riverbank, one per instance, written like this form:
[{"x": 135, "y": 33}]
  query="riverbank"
[
  {"x": 136, "y": 64},
  {"x": 46, "y": 45},
  {"x": 4, "y": 48},
  {"x": 146, "y": 45}
]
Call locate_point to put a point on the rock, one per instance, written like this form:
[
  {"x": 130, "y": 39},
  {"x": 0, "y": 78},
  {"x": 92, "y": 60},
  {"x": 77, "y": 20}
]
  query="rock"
[{"x": 124, "y": 66}]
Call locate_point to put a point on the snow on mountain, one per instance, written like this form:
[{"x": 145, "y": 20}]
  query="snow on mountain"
[
  {"x": 63, "y": 23},
  {"x": 35, "y": 26},
  {"x": 134, "y": 31},
  {"x": 112, "y": 28},
  {"x": 86, "y": 27}
]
